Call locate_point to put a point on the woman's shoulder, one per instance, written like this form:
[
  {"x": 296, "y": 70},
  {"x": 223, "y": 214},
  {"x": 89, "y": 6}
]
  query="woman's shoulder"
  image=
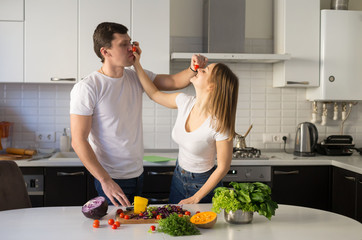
[{"x": 184, "y": 99}]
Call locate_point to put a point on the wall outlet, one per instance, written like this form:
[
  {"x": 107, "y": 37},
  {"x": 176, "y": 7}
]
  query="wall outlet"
[
  {"x": 45, "y": 136},
  {"x": 274, "y": 137}
]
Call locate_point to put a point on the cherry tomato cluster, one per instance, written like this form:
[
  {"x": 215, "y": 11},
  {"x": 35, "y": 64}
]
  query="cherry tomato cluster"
[{"x": 114, "y": 224}]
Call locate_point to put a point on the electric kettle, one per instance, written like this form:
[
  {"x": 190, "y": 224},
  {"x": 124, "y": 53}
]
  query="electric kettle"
[{"x": 305, "y": 139}]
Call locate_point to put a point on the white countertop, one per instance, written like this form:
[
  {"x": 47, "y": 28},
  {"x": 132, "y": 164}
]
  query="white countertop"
[
  {"x": 290, "y": 222},
  {"x": 351, "y": 163}
]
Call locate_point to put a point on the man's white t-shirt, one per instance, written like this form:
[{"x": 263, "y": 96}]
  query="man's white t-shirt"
[
  {"x": 197, "y": 149},
  {"x": 115, "y": 105}
]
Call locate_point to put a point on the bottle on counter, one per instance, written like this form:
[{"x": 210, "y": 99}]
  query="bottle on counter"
[{"x": 65, "y": 142}]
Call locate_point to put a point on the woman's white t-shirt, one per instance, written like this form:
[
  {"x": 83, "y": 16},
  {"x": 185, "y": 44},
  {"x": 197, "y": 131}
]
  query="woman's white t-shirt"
[
  {"x": 197, "y": 149},
  {"x": 115, "y": 105}
]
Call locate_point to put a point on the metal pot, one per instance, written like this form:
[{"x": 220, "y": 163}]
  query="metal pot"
[
  {"x": 240, "y": 140},
  {"x": 238, "y": 217}
]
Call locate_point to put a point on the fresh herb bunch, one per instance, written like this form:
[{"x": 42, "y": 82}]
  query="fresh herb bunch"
[
  {"x": 248, "y": 197},
  {"x": 177, "y": 226}
]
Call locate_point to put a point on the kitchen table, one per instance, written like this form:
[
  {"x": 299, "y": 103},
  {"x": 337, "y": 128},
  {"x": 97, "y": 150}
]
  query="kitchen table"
[{"x": 66, "y": 223}]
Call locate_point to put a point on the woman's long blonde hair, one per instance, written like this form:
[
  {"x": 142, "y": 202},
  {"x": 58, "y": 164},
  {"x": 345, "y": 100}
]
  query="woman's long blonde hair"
[{"x": 223, "y": 99}]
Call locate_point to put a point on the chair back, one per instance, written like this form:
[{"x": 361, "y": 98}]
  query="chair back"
[{"x": 13, "y": 193}]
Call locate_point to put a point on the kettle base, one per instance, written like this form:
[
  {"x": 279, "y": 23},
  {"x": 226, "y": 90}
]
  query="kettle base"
[{"x": 304, "y": 154}]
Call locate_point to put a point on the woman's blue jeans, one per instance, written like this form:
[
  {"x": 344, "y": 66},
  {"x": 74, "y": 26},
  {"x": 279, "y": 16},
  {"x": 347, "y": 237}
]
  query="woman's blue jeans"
[
  {"x": 185, "y": 184},
  {"x": 131, "y": 187}
]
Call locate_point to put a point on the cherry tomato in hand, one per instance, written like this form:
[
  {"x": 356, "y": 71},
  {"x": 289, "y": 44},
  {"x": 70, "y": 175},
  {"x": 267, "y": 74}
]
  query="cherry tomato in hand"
[
  {"x": 134, "y": 49},
  {"x": 187, "y": 213},
  {"x": 111, "y": 221},
  {"x": 159, "y": 217},
  {"x": 153, "y": 228},
  {"x": 126, "y": 217},
  {"x": 196, "y": 66},
  {"x": 117, "y": 223},
  {"x": 114, "y": 226}
]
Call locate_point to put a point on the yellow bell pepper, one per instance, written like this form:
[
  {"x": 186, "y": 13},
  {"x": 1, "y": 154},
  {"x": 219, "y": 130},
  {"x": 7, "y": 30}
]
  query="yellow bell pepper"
[{"x": 140, "y": 204}]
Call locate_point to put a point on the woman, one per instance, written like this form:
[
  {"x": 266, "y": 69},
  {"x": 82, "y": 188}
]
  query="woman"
[{"x": 204, "y": 128}]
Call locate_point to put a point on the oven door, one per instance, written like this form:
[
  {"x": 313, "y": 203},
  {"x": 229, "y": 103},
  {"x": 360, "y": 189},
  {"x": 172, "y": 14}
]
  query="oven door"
[{"x": 248, "y": 174}]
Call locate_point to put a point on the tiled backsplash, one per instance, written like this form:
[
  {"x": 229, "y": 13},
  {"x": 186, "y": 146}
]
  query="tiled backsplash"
[{"x": 45, "y": 108}]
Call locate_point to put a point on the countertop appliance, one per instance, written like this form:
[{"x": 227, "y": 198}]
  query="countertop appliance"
[
  {"x": 305, "y": 140},
  {"x": 336, "y": 145}
]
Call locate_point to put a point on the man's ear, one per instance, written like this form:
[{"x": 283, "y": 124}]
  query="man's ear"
[{"x": 104, "y": 52}]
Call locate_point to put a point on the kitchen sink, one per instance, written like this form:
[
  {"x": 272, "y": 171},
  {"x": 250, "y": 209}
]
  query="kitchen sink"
[{"x": 65, "y": 156}]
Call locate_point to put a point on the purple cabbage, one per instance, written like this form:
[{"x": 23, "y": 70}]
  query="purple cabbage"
[{"x": 95, "y": 208}]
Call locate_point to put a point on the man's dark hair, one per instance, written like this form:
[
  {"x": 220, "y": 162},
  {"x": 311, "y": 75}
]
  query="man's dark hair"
[{"x": 103, "y": 36}]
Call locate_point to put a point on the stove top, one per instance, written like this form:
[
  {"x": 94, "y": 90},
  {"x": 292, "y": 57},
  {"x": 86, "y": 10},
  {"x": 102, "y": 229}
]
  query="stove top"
[{"x": 248, "y": 153}]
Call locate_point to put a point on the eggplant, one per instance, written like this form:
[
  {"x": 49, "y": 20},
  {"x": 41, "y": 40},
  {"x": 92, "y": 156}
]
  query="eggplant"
[{"x": 95, "y": 208}]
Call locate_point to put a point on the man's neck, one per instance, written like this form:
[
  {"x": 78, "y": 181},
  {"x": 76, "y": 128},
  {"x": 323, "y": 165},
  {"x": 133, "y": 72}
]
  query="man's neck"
[{"x": 111, "y": 71}]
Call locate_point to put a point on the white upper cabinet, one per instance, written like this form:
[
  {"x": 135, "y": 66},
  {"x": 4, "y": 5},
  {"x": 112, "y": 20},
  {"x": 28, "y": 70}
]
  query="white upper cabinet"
[
  {"x": 11, "y": 49},
  {"x": 151, "y": 28},
  {"x": 12, "y": 10},
  {"x": 90, "y": 15},
  {"x": 51, "y": 41},
  {"x": 296, "y": 32}
]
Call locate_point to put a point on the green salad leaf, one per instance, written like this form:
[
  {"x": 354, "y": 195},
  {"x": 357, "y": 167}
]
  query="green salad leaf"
[
  {"x": 177, "y": 226},
  {"x": 254, "y": 197}
]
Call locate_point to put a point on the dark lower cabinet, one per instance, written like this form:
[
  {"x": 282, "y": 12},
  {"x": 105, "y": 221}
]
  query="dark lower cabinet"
[
  {"x": 307, "y": 186},
  {"x": 347, "y": 193},
  {"x": 65, "y": 186},
  {"x": 157, "y": 183}
]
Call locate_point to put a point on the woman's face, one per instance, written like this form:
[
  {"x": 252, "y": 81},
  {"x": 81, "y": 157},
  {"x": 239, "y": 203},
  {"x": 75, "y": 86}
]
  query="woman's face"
[{"x": 201, "y": 80}]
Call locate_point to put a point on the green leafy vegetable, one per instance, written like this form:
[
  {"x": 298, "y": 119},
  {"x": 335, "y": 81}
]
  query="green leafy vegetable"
[
  {"x": 177, "y": 226},
  {"x": 248, "y": 197}
]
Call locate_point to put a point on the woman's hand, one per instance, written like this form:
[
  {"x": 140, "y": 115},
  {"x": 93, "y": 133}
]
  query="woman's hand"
[
  {"x": 198, "y": 61},
  {"x": 136, "y": 51}
]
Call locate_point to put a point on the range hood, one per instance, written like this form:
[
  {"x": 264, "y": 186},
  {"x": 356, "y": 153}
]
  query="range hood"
[{"x": 224, "y": 35}]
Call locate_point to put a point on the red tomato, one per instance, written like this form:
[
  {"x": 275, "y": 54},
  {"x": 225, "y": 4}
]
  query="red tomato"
[
  {"x": 126, "y": 217},
  {"x": 119, "y": 211},
  {"x": 134, "y": 49},
  {"x": 96, "y": 224},
  {"x": 114, "y": 226},
  {"x": 141, "y": 214},
  {"x": 196, "y": 66},
  {"x": 111, "y": 221},
  {"x": 197, "y": 212},
  {"x": 159, "y": 217},
  {"x": 187, "y": 213},
  {"x": 121, "y": 215},
  {"x": 153, "y": 228},
  {"x": 117, "y": 223},
  {"x": 154, "y": 212},
  {"x": 180, "y": 215}
]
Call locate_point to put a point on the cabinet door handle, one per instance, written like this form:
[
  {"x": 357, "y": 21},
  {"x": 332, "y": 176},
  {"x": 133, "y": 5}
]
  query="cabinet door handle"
[
  {"x": 286, "y": 173},
  {"x": 303, "y": 83},
  {"x": 62, "y": 79},
  {"x": 153, "y": 200},
  {"x": 160, "y": 173},
  {"x": 61, "y": 174},
  {"x": 350, "y": 178}
]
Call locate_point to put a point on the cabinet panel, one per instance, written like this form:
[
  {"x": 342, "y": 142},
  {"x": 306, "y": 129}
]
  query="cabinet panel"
[
  {"x": 65, "y": 186},
  {"x": 11, "y": 48},
  {"x": 90, "y": 15},
  {"x": 50, "y": 40},
  {"x": 153, "y": 33},
  {"x": 359, "y": 198},
  {"x": 302, "y": 186},
  {"x": 296, "y": 31},
  {"x": 11, "y": 10},
  {"x": 344, "y": 192}
]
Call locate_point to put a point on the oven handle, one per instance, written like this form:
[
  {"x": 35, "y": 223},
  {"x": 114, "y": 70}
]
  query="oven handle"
[
  {"x": 160, "y": 173},
  {"x": 296, "y": 172}
]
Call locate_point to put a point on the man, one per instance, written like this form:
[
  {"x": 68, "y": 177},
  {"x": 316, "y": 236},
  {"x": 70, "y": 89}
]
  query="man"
[{"x": 106, "y": 114}]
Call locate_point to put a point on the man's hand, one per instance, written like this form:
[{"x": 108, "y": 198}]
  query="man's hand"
[{"x": 114, "y": 192}]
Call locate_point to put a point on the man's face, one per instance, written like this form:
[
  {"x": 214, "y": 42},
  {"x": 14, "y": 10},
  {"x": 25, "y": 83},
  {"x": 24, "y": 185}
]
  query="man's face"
[{"x": 120, "y": 54}]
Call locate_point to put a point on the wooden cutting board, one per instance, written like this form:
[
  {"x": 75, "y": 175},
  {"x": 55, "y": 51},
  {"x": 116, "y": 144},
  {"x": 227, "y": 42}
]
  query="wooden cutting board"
[
  {"x": 6, "y": 156},
  {"x": 134, "y": 221}
]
